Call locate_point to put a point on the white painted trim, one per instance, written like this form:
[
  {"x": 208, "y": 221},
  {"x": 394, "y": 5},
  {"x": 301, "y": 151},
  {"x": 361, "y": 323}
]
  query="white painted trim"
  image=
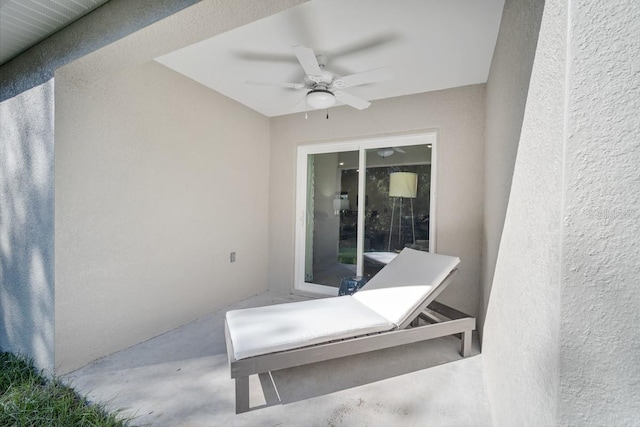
[
  {"x": 360, "y": 145},
  {"x": 433, "y": 197},
  {"x": 299, "y": 217},
  {"x": 362, "y": 165}
]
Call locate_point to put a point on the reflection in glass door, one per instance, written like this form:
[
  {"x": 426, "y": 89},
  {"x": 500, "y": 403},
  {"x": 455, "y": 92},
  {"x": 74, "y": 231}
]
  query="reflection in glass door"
[
  {"x": 331, "y": 219},
  {"x": 397, "y": 203},
  {"x": 340, "y": 233}
]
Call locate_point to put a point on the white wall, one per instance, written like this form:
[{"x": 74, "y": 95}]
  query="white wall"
[
  {"x": 26, "y": 170},
  {"x": 457, "y": 114},
  {"x": 26, "y": 109},
  {"x": 507, "y": 87},
  {"x": 560, "y": 338},
  {"x": 26, "y": 225},
  {"x": 158, "y": 179},
  {"x": 599, "y": 345},
  {"x": 520, "y": 343},
  {"x": 139, "y": 262}
]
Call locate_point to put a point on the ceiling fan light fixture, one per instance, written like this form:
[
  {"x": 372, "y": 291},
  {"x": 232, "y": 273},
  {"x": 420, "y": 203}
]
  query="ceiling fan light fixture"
[
  {"x": 385, "y": 152},
  {"x": 320, "y": 99}
]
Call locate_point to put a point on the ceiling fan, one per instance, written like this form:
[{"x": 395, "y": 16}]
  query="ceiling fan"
[
  {"x": 388, "y": 151},
  {"x": 323, "y": 87}
]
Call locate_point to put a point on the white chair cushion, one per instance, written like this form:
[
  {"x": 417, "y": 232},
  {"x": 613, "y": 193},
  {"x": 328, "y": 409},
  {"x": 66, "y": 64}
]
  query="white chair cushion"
[
  {"x": 403, "y": 284},
  {"x": 394, "y": 304},
  {"x": 384, "y": 303},
  {"x": 413, "y": 268},
  {"x": 380, "y": 257},
  {"x": 263, "y": 330}
]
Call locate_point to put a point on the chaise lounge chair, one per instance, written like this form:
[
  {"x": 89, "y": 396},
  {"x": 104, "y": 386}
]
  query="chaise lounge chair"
[{"x": 390, "y": 310}]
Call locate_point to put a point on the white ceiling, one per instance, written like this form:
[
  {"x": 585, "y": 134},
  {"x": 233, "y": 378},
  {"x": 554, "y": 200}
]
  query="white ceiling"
[
  {"x": 429, "y": 44},
  {"x": 23, "y": 23}
]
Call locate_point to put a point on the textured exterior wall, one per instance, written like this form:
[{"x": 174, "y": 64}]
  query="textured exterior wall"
[
  {"x": 158, "y": 179},
  {"x": 457, "y": 114},
  {"x": 599, "y": 345},
  {"x": 507, "y": 88},
  {"x": 27, "y": 176},
  {"x": 153, "y": 252},
  {"x": 26, "y": 101},
  {"x": 26, "y": 225},
  {"x": 561, "y": 327},
  {"x": 521, "y": 331}
]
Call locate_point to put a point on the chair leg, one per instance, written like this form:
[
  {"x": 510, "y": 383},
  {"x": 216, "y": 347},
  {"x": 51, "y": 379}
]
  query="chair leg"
[
  {"x": 465, "y": 343},
  {"x": 242, "y": 394}
]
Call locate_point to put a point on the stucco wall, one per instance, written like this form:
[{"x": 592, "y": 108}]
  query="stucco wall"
[
  {"x": 458, "y": 116},
  {"x": 158, "y": 179},
  {"x": 26, "y": 224},
  {"x": 26, "y": 164},
  {"x": 521, "y": 331},
  {"x": 28, "y": 77},
  {"x": 599, "y": 345},
  {"x": 560, "y": 332},
  {"x": 507, "y": 88}
]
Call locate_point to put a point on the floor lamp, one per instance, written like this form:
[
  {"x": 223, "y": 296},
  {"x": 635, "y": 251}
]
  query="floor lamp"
[{"x": 403, "y": 185}]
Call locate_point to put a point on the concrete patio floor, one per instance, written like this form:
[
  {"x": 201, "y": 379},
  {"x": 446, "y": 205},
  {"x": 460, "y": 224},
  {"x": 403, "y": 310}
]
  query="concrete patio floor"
[{"x": 181, "y": 378}]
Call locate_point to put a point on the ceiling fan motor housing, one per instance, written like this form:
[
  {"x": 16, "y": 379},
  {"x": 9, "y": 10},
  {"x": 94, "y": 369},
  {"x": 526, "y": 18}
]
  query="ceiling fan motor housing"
[{"x": 320, "y": 79}]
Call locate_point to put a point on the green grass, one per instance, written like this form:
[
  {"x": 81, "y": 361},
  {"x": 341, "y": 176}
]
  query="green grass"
[{"x": 28, "y": 399}]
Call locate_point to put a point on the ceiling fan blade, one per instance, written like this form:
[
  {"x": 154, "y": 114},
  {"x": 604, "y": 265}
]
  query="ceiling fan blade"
[
  {"x": 276, "y": 84},
  {"x": 308, "y": 60},
  {"x": 262, "y": 57},
  {"x": 399, "y": 150},
  {"x": 367, "y": 43},
  {"x": 371, "y": 76},
  {"x": 352, "y": 100}
]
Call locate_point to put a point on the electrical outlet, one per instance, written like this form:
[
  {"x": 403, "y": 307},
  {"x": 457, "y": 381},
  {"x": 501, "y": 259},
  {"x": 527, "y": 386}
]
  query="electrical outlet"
[{"x": 232, "y": 257}]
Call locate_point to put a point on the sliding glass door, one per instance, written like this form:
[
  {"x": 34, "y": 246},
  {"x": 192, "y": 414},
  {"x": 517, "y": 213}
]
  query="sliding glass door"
[
  {"x": 331, "y": 219},
  {"x": 397, "y": 203},
  {"x": 341, "y": 234}
]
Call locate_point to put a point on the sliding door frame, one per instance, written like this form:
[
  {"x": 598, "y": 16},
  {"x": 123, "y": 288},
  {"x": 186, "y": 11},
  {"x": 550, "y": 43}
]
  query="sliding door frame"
[{"x": 361, "y": 146}]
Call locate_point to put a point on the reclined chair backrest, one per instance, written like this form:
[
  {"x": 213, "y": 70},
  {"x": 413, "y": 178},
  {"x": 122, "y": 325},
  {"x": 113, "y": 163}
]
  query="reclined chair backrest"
[{"x": 411, "y": 280}]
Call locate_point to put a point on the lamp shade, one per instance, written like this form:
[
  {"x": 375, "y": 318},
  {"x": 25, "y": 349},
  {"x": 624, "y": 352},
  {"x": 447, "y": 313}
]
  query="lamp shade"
[{"x": 403, "y": 184}]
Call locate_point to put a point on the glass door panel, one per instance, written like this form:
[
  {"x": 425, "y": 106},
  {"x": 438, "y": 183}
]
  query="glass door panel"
[
  {"x": 331, "y": 217},
  {"x": 358, "y": 204},
  {"x": 397, "y": 203}
]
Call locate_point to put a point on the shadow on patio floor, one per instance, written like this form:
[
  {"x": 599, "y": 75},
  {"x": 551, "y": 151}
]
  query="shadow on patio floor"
[{"x": 181, "y": 378}]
